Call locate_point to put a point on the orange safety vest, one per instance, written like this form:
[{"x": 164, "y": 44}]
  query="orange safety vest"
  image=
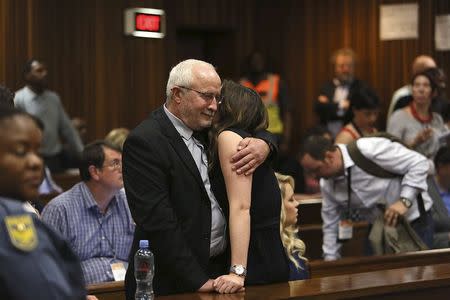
[{"x": 268, "y": 90}]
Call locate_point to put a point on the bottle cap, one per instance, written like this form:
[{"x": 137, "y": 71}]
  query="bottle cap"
[{"x": 143, "y": 244}]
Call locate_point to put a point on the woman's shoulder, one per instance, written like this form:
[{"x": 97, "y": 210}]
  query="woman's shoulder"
[
  {"x": 400, "y": 113},
  {"x": 346, "y": 135},
  {"x": 238, "y": 131}
]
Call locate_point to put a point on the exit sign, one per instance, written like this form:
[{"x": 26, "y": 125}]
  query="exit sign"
[{"x": 145, "y": 22}]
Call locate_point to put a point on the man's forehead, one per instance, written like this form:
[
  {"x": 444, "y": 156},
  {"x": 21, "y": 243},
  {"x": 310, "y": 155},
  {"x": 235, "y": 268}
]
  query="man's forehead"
[
  {"x": 309, "y": 160},
  {"x": 111, "y": 152}
]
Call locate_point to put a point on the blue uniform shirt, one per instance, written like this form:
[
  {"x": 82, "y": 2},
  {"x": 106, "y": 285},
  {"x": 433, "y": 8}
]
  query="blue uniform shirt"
[{"x": 36, "y": 263}]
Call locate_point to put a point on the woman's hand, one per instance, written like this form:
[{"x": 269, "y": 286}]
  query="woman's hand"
[
  {"x": 422, "y": 137},
  {"x": 227, "y": 284}
]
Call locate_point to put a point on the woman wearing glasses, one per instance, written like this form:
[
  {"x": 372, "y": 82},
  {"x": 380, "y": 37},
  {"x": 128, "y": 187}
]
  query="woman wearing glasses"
[{"x": 257, "y": 253}]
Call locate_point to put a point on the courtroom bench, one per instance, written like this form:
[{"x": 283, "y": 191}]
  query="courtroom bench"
[
  {"x": 67, "y": 179},
  {"x": 312, "y": 235},
  {"x": 309, "y": 210}
]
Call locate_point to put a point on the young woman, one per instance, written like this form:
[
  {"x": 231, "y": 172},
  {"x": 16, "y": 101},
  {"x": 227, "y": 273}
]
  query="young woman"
[
  {"x": 294, "y": 247},
  {"x": 252, "y": 202}
]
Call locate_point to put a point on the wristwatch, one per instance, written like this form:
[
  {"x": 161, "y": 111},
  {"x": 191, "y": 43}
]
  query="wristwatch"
[
  {"x": 239, "y": 270},
  {"x": 406, "y": 202}
]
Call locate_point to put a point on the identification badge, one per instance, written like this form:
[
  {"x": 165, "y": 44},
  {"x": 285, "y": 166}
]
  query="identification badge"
[
  {"x": 119, "y": 271},
  {"x": 22, "y": 232},
  {"x": 345, "y": 231}
]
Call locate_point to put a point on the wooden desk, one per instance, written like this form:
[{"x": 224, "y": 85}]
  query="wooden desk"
[
  {"x": 107, "y": 290},
  {"x": 404, "y": 283},
  {"x": 409, "y": 283}
]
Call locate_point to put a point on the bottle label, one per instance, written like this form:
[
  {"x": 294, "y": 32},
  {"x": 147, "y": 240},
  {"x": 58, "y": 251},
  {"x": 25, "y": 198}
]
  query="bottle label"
[{"x": 119, "y": 270}]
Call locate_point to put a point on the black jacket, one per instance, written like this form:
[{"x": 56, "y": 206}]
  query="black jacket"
[{"x": 169, "y": 204}]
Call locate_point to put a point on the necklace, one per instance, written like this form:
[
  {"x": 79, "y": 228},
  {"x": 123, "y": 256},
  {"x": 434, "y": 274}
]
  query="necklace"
[{"x": 419, "y": 118}]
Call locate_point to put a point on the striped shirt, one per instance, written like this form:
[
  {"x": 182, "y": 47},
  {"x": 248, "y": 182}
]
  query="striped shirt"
[{"x": 98, "y": 239}]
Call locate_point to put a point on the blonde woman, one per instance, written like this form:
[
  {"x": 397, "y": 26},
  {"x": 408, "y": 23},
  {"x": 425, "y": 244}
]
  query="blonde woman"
[
  {"x": 117, "y": 137},
  {"x": 295, "y": 247}
]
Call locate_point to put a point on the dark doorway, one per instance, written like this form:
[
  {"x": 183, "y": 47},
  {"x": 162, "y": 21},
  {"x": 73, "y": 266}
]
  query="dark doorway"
[{"x": 216, "y": 46}]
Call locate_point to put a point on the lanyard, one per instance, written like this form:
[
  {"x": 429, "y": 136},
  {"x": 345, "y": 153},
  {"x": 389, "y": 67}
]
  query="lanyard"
[
  {"x": 349, "y": 190},
  {"x": 106, "y": 237}
]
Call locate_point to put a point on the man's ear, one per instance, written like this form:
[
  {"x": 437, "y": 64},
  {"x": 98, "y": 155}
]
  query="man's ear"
[
  {"x": 93, "y": 171},
  {"x": 329, "y": 157},
  {"x": 176, "y": 94}
]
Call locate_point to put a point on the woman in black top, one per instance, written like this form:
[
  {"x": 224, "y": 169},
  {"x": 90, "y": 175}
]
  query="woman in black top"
[{"x": 251, "y": 202}]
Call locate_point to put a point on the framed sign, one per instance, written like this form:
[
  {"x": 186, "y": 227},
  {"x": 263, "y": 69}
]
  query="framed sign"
[{"x": 145, "y": 22}]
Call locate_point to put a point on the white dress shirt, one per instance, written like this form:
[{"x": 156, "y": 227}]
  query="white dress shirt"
[
  {"x": 368, "y": 190},
  {"x": 218, "y": 221}
]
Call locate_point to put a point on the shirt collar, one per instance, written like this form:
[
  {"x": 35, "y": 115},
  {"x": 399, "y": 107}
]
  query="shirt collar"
[
  {"x": 89, "y": 200},
  {"x": 182, "y": 129},
  {"x": 29, "y": 93},
  {"x": 346, "y": 159}
]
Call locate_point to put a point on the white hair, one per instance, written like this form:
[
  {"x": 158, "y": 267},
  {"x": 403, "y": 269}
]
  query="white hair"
[{"x": 181, "y": 75}]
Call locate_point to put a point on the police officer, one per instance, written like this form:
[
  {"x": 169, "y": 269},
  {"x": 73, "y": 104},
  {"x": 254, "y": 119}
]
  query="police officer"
[{"x": 35, "y": 262}]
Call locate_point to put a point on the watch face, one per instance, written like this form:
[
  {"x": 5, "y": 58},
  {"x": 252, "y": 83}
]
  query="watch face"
[
  {"x": 407, "y": 202},
  {"x": 239, "y": 270}
]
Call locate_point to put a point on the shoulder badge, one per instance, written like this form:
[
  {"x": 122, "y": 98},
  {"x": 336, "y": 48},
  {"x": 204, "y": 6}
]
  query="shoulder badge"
[{"x": 22, "y": 232}]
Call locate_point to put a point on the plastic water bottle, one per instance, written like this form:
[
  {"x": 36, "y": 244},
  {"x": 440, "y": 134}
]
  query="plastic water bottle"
[{"x": 144, "y": 270}]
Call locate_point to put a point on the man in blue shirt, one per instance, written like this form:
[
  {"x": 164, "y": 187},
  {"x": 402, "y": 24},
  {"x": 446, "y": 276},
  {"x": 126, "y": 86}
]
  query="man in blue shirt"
[
  {"x": 94, "y": 215},
  {"x": 441, "y": 207}
]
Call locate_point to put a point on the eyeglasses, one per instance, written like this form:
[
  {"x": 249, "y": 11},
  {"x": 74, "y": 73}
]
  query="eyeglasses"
[
  {"x": 116, "y": 164},
  {"x": 209, "y": 97}
]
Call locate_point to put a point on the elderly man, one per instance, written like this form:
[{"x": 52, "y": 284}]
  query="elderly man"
[
  {"x": 332, "y": 105},
  {"x": 46, "y": 105},
  {"x": 168, "y": 187},
  {"x": 347, "y": 188},
  {"x": 94, "y": 215}
]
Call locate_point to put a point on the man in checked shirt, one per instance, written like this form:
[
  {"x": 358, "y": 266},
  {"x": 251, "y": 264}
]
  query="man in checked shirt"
[{"x": 93, "y": 216}]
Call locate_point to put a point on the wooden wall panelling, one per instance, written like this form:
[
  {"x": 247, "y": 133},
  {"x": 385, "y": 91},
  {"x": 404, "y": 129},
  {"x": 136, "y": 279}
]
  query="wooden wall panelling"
[{"x": 113, "y": 80}]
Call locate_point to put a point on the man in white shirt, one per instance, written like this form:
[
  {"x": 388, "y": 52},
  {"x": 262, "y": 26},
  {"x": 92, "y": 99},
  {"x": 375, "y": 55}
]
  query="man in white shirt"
[{"x": 333, "y": 164}]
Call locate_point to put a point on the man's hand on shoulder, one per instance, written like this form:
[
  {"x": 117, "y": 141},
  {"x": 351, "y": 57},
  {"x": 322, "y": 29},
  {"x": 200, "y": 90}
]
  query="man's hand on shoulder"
[{"x": 250, "y": 154}]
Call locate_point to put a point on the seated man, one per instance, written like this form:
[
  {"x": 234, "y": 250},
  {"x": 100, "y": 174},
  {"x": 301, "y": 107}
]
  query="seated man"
[
  {"x": 441, "y": 198},
  {"x": 348, "y": 190},
  {"x": 94, "y": 215}
]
